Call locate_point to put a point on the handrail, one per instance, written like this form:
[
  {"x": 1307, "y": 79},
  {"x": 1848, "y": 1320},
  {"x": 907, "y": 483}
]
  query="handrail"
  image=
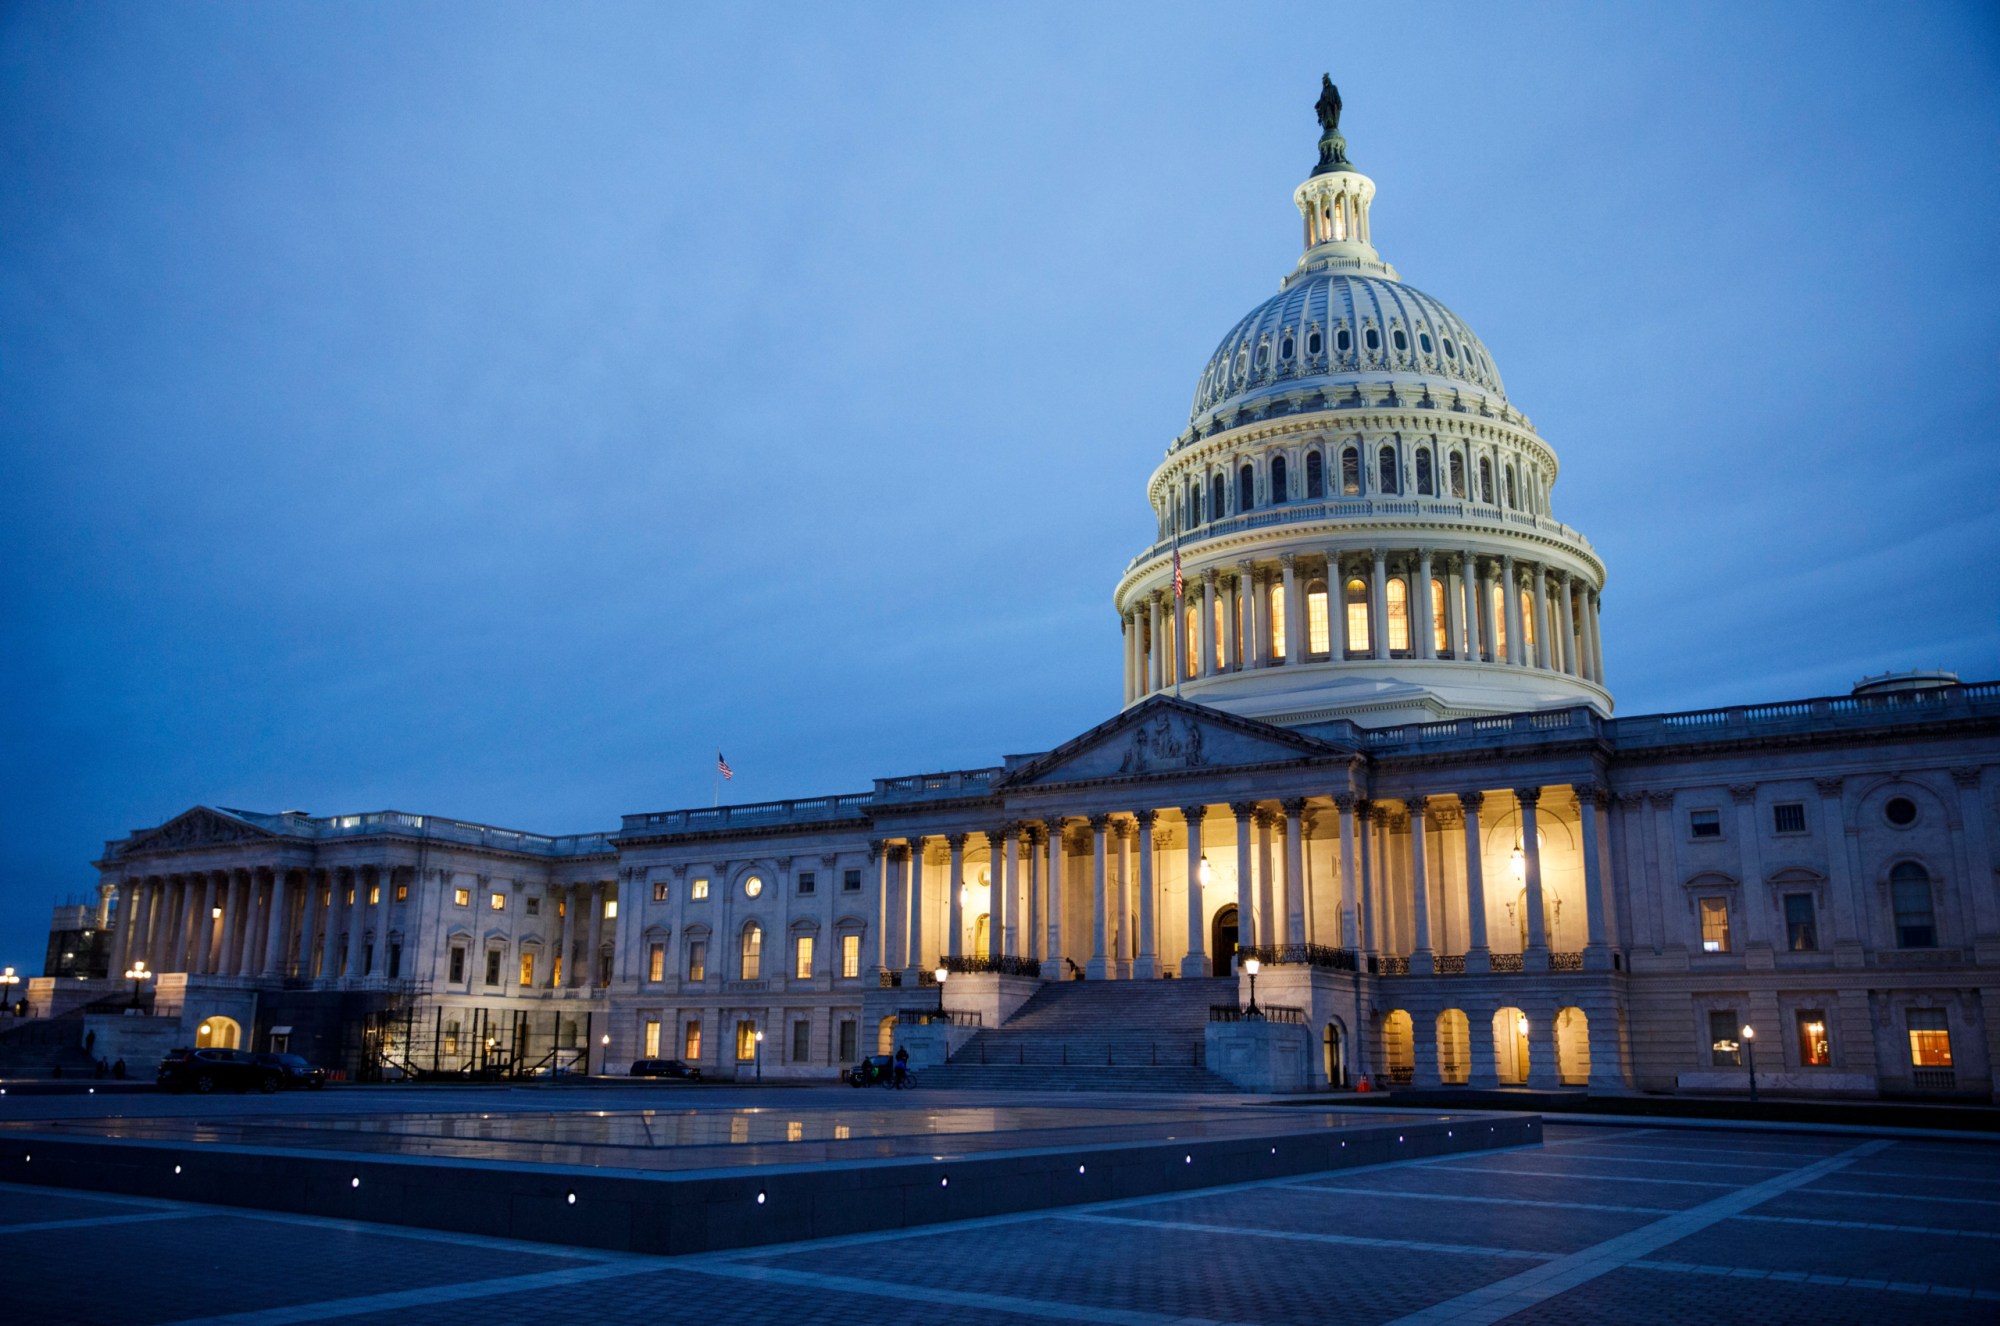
[
  {"x": 1006, "y": 964},
  {"x": 1309, "y": 955},
  {"x": 957, "y": 1017},
  {"x": 1265, "y": 1013}
]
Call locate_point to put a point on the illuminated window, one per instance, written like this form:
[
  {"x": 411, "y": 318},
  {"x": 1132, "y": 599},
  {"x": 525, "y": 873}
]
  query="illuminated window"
[
  {"x": 1277, "y": 616},
  {"x": 1350, "y": 472},
  {"x": 461, "y": 897},
  {"x": 1191, "y": 637},
  {"x": 1528, "y": 623},
  {"x": 1385, "y": 468},
  {"x": 457, "y": 963},
  {"x": 611, "y": 909},
  {"x": 402, "y": 893},
  {"x": 802, "y": 958},
  {"x": 1499, "y": 621},
  {"x": 374, "y": 894},
  {"x": 451, "y": 1038},
  {"x": 1930, "y": 1038},
  {"x": 1715, "y": 925},
  {"x": 752, "y": 887},
  {"x": 1357, "y": 617},
  {"x": 1485, "y": 480},
  {"x": 1279, "y": 493},
  {"x": 1399, "y": 614},
  {"x": 660, "y": 891},
  {"x": 1339, "y": 225},
  {"x": 497, "y": 901},
  {"x": 1916, "y": 924},
  {"x": 850, "y": 955},
  {"x": 1440, "y": 619},
  {"x": 1246, "y": 488},
  {"x": 746, "y": 1041},
  {"x": 1424, "y": 472},
  {"x": 698, "y": 890},
  {"x": 1316, "y": 619},
  {"x": 1221, "y": 628},
  {"x": 697, "y": 959},
  {"x": 1315, "y": 475},
  {"x": 1724, "y": 1050},
  {"x": 691, "y": 1042},
  {"x": 752, "y": 951},
  {"x": 1815, "y": 1051},
  {"x": 1801, "y": 926},
  {"x": 527, "y": 968},
  {"x": 656, "y": 962},
  {"x": 1457, "y": 475},
  {"x": 652, "y": 1041}
]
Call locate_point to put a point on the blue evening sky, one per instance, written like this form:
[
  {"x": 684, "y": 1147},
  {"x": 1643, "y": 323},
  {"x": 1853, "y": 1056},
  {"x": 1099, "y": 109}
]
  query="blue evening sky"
[{"x": 493, "y": 410}]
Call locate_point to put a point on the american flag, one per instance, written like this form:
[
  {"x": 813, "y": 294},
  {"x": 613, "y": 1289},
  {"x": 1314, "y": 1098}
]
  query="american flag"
[
  {"x": 722, "y": 766},
  {"x": 1180, "y": 585}
]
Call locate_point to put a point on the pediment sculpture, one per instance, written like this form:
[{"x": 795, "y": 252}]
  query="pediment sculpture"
[
  {"x": 1164, "y": 743},
  {"x": 195, "y": 829}
]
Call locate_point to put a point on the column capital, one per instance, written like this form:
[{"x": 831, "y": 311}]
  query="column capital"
[
  {"x": 1194, "y": 814},
  {"x": 1364, "y": 810},
  {"x": 1470, "y": 802},
  {"x": 1416, "y": 805},
  {"x": 1830, "y": 788},
  {"x": 1288, "y": 560},
  {"x": 1966, "y": 775},
  {"x": 1344, "y": 801},
  {"x": 875, "y": 846},
  {"x": 1211, "y": 576},
  {"x": 1661, "y": 800},
  {"x": 1122, "y": 828},
  {"x": 1053, "y": 825},
  {"x": 1031, "y": 833},
  {"x": 1590, "y": 794},
  {"x": 1527, "y": 796},
  {"x": 898, "y": 853},
  {"x": 1293, "y": 806},
  {"x": 956, "y": 841},
  {"x": 999, "y": 834},
  {"x": 1242, "y": 810},
  {"x": 1743, "y": 794},
  {"x": 1098, "y": 822},
  {"x": 1145, "y": 818}
]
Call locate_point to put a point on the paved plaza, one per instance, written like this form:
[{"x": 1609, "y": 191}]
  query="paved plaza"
[{"x": 1598, "y": 1223}]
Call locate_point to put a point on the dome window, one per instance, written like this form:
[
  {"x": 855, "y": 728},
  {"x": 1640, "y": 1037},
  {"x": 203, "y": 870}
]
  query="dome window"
[
  {"x": 1486, "y": 481},
  {"x": 1263, "y": 355},
  {"x": 1315, "y": 475},
  {"x": 1424, "y": 472},
  {"x": 1285, "y": 348},
  {"x": 1242, "y": 360},
  {"x": 1424, "y": 342},
  {"x": 1386, "y": 470},
  {"x": 1350, "y": 472},
  {"x": 1218, "y": 497},
  {"x": 1449, "y": 352},
  {"x": 1343, "y": 340},
  {"x": 1313, "y": 344},
  {"x": 1457, "y": 475},
  {"x": 1246, "y": 487},
  {"x": 1372, "y": 339},
  {"x": 1400, "y": 341},
  {"x": 1280, "y": 490}
]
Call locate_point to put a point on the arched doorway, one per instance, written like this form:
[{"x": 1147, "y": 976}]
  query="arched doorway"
[
  {"x": 1399, "y": 1048},
  {"x": 218, "y": 1033},
  {"x": 1222, "y": 942},
  {"x": 1334, "y": 1044},
  {"x": 1510, "y": 1046},
  {"x": 1454, "y": 1038},
  {"x": 982, "y": 930},
  {"x": 885, "y": 1036},
  {"x": 1572, "y": 1048}
]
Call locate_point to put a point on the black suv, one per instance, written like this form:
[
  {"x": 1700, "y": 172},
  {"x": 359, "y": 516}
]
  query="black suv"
[
  {"x": 293, "y": 1071},
  {"x": 665, "y": 1068},
  {"x": 216, "y": 1070}
]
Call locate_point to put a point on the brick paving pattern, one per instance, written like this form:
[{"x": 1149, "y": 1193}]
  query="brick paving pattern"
[{"x": 1638, "y": 1225}]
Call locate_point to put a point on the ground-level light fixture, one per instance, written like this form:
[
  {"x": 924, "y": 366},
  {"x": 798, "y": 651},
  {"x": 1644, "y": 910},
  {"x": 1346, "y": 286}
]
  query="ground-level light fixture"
[
  {"x": 941, "y": 975},
  {"x": 1252, "y": 966},
  {"x": 1750, "y": 1057}
]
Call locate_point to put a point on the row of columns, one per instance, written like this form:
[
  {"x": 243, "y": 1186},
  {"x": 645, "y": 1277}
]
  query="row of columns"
[
  {"x": 581, "y": 932},
  {"x": 1264, "y": 616}
]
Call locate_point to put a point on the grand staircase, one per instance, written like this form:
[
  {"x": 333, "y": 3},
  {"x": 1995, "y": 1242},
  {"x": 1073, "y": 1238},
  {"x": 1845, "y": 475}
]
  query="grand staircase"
[{"x": 1095, "y": 1036}]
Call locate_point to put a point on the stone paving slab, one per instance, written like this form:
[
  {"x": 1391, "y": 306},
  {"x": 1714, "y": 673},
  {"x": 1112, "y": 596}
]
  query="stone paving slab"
[
  {"x": 1818, "y": 1249},
  {"x": 1899, "y": 1209},
  {"x": 1635, "y": 1296},
  {"x": 1609, "y": 1190}
]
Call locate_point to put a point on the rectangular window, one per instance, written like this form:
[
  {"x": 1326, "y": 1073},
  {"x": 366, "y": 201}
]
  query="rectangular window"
[
  {"x": 532, "y": 906},
  {"x": 1788, "y": 817},
  {"x": 402, "y": 893},
  {"x": 1801, "y": 927},
  {"x": 457, "y": 963},
  {"x": 1916, "y": 925},
  {"x": 851, "y": 882},
  {"x": 395, "y": 961},
  {"x": 374, "y": 895},
  {"x": 1357, "y": 617},
  {"x": 746, "y": 1042},
  {"x": 493, "y": 967},
  {"x": 1221, "y": 628},
  {"x": 368, "y": 960},
  {"x": 691, "y": 1043},
  {"x": 802, "y": 963},
  {"x": 1815, "y": 1051},
  {"x": 1318, "y": 641},
  {"x": 802, "y": 1033},
  {"x": 847, "y": 1041},
  {"x": 752, "y": 954},
  {"x": 1498, "y": 607},
  {"x": 850, "y": 956},
  {"x": 1715, "y": 925},
  {"x": 1399, "y": 617},
  {"x": 1705, "y": 823},
  {"x": 451, "y": 1038},
  {"x": 652, "y": 1041},
  {"x": 697, "y": 890},
  {"x": 528, "y": 969},
  {"x": 497, "y": 901},
  {"x": 1724, "y": 1050},
  {"x": 697, "y": 960},
  {"x": 348, "y": 896},
  {"x": 611, "y": 909},
  {"x": 806, "y": 882},
  {"x": 660, "y": 891},
  {"x": 1930, "y": 1038},
  {"x": 1277, "y": 615},
  {"x": 656, "y": 962},
  {"x": 604, "y": 964}
]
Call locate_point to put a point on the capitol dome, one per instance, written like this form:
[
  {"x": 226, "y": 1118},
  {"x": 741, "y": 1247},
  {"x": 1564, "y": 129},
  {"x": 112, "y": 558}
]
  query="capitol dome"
[{"x": 1356, "y": 522}]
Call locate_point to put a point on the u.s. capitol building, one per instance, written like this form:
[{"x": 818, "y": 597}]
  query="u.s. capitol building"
[{"x": 1367, "y": 738}]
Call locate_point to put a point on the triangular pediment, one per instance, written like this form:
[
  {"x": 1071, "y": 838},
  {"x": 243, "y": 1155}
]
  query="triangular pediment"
[
  {"x": 1163, "y": 735},
  {"x": 200, "y": 827}
]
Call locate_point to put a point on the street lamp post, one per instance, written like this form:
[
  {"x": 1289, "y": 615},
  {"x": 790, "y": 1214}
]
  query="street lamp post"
[
  {"x": 760, "y": 1055},
  {"x": 1252, "y": 966},
  {"x": 10, "y": 980},
  {"x": 941, "y": 975},
  {"x": 1750, "y": 1057},
  {"x": 138, "y": 975}
]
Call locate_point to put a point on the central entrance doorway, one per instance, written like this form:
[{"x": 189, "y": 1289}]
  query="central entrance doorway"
[{"x": 1222, "y": 942}]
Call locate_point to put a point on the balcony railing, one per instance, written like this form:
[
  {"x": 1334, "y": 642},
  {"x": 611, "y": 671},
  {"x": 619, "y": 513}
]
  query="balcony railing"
[
  {"x": 1451, "y": 964},
  {"x": 1006, "y": 964},
  {"x": 1505, "y": 962},
  {"x": 1264, "y": 1013},
  {"x": 1565, "y": 962},
  {"x": 1307, "y": 955},
  {"x": 957, "y": 1017}
]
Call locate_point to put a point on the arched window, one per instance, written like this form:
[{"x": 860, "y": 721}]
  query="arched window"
[
  {"x": 1910, "y": 891},
  {"x": 1440, "y": 621},
  {"x": 1350, "y": 472},
  {"x": 1312, "y": 344},
  {"x": 1285, "y": 347},
  {"x": 1343, "y": 340},
  {"x": 1316, "y": 623},
  {"x": 1220, "y": 625},
  {"x": 1277, "y": 616},
  {"x": 1528, "y": 624},
  {"x": 1486, "y": 480},
  {"x": 1194, "y": 506},
  {"x": 1315, "y": 475},
  {"x": 1279, "y": 493},
  {"x": 1263, "y": 354},
  {"x": 1339, "y": 225},
  {"x": 1357, "y": 617},
  {"x": 1400, "y": 341},
  {"x": 1246, "y": 488},
  {"x": 1449, "y": 353},
  {"x": 1424, "y": 342},
  {"x": 1424, "y": 472},
  {"x": 1457, "y": 475},
  {"x": 1399, "y": 615},
  {"x": 1497, "y": 604},
  {"x": 1385, "y": 469},
  {"x": 1371, "y": 338},
  {"x": 1218, "y": 494},
  {"x": 753, "y": 950},
  {"x": 1513, "y": 499}
]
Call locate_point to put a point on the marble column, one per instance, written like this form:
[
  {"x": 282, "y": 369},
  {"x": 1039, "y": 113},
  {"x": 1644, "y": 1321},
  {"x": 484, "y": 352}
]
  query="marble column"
[
  {"x": 1510, "y": 602},
  {"x": 1478, "y": 958},
  {"x": 1589, "y": 803},
  {"x": 1270, "y": 896},
  {"x": 998, "y": 914},
  {"x": 1469, "y": 581},
  {"x": 954, "y": 887},
  {"x": 1537, "y": 955},
  {"x": 1541, "y": 616},
  {"x": 209, "y": 932},
  {"x": 1423, "y": 959},
  {"x": 1294, "y": 610},
  {"x": 1195, "y": 964},
  {"x": 1096, "y": 968},
  {"x": 1295, "y": 871},
  {"x": 1120, "y": 905},
  {"x": 234, "y": 904},
  {"x": 593, "y": 939},
  {"x": 1153, "y": 651},
  {"x": 1246, "y": 903},
  {"x": 1350, "y": 896},
  {"x": 1057, "y": 869},
  {"x": 1566, "y": 623},
  {"x": 1596, "y": 642},
  {"x": 121, "y": 949},
  {"x": 1366, "y": 898},
  {"x": 274, "y": 930},
  {"x": 1426, "y": 641},
  {"x": 560, "y": 974},
  {"x": 1031, "y": 871},
  {"x": 913, "y": 884},
  {"x": 1253, "y": 615},
  {"x": 1378, "y": 605}
]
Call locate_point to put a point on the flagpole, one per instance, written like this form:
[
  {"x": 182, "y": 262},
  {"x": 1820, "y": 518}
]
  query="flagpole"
[{"x": 1180, "y": 613}]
